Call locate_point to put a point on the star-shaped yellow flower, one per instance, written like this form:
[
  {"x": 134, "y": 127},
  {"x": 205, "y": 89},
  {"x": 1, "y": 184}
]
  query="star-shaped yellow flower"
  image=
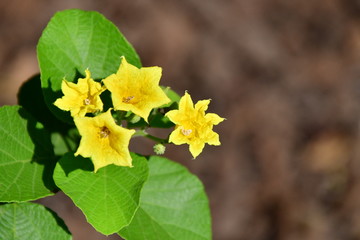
[
  {"x": 81, "y": 98},
  {"x": 136, "y": 90},
  {"x": 193, "y": 126},
  {"x": 104, "y": 141}
]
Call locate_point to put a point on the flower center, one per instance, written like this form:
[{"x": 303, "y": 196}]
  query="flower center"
[
  {"x": 186, "y": 132},
  {"x": 104, "y": 132},
  {"x": 127, "y": 99},
  {"x": 87, "y": 101}
]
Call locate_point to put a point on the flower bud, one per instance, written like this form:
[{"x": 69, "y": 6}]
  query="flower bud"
[
  {"x": 135, "y": 119},
  {"x": 159, "y": 149}
]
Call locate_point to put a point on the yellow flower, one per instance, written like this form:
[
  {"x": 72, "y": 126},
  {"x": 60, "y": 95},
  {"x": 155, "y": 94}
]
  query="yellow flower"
[
  {"x": 81, "y": 98},
  {"x": 193, "y": 126},
  {"x": 136, "y": 90},
  {"x": 104, "y": 141}
]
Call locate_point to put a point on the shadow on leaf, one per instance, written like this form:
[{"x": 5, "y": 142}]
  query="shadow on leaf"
[
  {"x": 70, "y": 163},
  {"x": 60, "y": 222},
  {"x": 50, "y": 97},
  {"x": 43, "y": 152},
  {"x": 31, "y": 98}
]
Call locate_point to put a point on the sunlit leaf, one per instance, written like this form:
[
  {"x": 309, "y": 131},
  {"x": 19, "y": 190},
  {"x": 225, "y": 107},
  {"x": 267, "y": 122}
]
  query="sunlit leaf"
[
  {"x": 173, "y": 205},
  {"x": 108, "y": 198},
  {"x": 20, "y": 221},
  {"x": 76, "y": 40},
  {"x": 26, "y": 157}
]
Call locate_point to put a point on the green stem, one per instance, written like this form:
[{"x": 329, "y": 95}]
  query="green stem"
[{"x": 143, "y": 133}]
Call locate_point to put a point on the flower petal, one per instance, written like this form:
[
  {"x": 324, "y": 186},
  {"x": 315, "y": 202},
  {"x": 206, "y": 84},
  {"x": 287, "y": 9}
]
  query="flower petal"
[
  {"x": 104, "y": 141},
  {"x": 213, "y": 139},
  {"x": 202, "y": 105},
  {"x": 186, "y": 103},
  {"x": 214, "y": 118},
  {"x": 196, "y": 148},
  {"x": 81, "y": 98},
  {"x": 69, "y": 88},
  {"x": 174, "y": 116},
  {"x": 177, "y": 137},
  {"x": 136, "y": 90}
]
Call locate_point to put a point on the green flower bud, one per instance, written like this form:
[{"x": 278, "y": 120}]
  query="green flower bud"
[
  {"x": 135, "y": 119},
  {"x": 159, "y": 149}
]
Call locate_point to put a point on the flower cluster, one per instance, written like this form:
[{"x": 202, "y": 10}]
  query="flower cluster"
[{"x": 136, "y": 91}]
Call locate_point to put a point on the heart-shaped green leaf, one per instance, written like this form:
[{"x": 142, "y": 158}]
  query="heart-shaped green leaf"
[
  {"x": 173, "y": 205},
  {"x": 108, "y": 198},
  {"x": 26, "y": 157},
  {"x": 19, "y": 221},
  {"x": 73, "y": 41}
]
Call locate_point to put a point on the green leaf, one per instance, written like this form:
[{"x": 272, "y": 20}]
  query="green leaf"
[
  {"x": 73, "y": 41},
  {"x": 159, "y": 120},
  {"x": 63, "y": 143},
  {"x": 172, "y": 95},
  {"x": 19, "y": 221},
  {"x": 26, "y": 157},
  {"x": 173, "y": 205},
  {"x": 108, "y": 198}
]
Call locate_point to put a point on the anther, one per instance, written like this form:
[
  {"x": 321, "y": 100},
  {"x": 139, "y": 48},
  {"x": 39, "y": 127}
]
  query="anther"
[
  {"x": 87, "y": 101},
  {"x": 127, "y": 99},
  {"x": 104, "y": 132},
  {"x": 186, "y": 132}
]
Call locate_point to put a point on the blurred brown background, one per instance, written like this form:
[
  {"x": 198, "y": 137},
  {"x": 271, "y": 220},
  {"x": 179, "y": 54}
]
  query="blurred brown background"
[{"x": 285, "y": 74}]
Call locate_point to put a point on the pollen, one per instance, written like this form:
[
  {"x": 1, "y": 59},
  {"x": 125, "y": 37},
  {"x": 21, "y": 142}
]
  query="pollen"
[
  {"x": 87, "y": 101},
  {"x": 104, "y": 132},
  {"x": 127, "y": 99},
  {"x": 186, "y": 132}
]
